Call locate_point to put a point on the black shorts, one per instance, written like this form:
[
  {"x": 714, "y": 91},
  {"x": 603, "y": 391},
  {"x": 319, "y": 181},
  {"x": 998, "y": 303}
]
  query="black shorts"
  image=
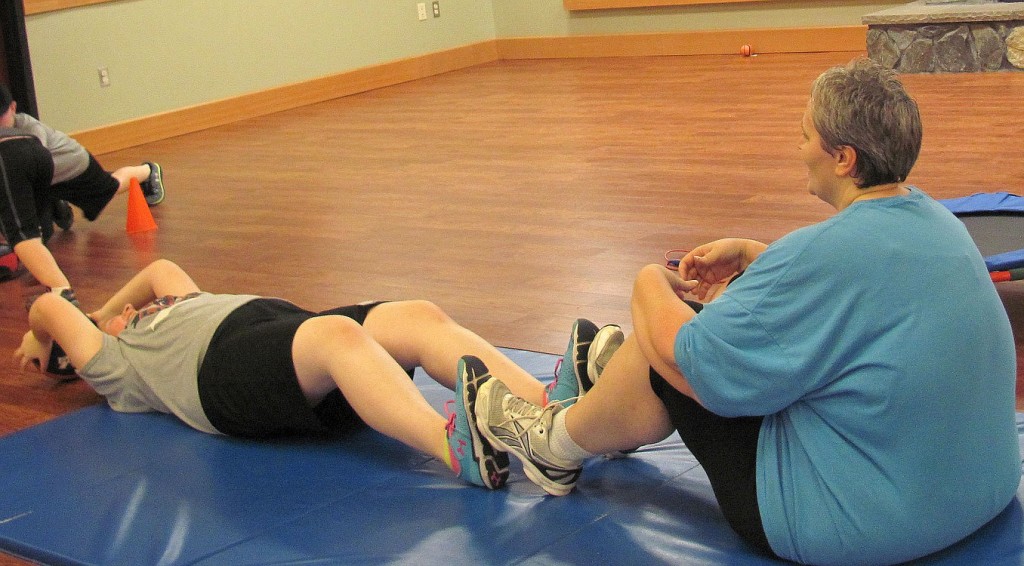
[
  {"x": 26, "y": 169},
  {"x": 727, "y": 450},
  {"x": 91, "y": 190},
  {"x": 247, "y": 382}
]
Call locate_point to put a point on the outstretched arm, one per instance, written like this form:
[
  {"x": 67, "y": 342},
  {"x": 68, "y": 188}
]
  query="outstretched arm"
[
  {"x": 40, "y": 263},
  {"x": 160, "y": 278}
]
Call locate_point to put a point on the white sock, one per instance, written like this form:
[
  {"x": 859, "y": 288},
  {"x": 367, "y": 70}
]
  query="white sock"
[{"x": 562, "y": 445}]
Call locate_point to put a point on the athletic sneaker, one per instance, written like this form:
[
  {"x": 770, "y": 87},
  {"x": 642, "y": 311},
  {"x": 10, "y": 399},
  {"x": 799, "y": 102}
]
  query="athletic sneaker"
[
  {"x": 571, "y": 380},
  {"x": 473, "y": 458},
  {"x": 522, "y": 428},
  {"x": 63, "y": 217},
  {"x": 59, "y": 365},
  {"x": 67, "y": 293},
  {"x": 606, "y": 342},
  {"x": 153, "y": 187}
]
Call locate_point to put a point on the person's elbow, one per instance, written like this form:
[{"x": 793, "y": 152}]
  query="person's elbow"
[{"x": 45, "y": 307}]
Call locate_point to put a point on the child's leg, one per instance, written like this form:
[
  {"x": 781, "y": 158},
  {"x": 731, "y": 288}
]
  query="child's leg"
[
  {"x": 335, "y": 352},
  {"x": 124, "y": 175},
  {"x": 419, "y": 333}
]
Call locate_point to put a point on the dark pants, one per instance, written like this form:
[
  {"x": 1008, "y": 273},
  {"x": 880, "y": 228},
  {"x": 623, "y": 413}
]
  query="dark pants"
[{"x": 727, "y": 450}]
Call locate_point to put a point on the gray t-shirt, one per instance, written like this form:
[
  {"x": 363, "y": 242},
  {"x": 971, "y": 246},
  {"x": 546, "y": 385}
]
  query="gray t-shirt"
[
  {"x": 70, "y": 159},
  {"x": 154, "y": 364}
]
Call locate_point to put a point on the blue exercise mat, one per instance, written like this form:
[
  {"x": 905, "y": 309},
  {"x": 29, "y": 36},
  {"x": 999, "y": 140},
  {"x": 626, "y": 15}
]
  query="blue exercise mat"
[
  {"x": 995, "y": 222},
  {"x": 99, "y": 487}
]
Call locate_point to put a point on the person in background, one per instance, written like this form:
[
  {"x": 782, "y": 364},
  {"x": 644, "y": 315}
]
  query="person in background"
[{"x": 41, "y": 171}]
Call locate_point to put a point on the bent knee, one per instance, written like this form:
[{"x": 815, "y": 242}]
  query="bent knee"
[
  {"x": 333, "y": 329},
  {"x": 164, "y": 266},
  {"x": 428, "y": 311},
  {"x": 420, "y": 311}
]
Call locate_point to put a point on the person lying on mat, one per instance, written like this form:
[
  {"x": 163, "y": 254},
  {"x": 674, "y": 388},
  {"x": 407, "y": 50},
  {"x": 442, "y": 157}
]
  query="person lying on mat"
[
  {"x": 255, "y": 367},
  {"x": 850, "y": 396}
]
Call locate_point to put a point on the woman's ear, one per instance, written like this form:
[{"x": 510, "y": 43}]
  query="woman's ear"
[{"x": 846, "y": 161}]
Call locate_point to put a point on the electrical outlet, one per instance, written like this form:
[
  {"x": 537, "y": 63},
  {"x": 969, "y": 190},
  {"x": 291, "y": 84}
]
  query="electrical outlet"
[
  {"x": 437, "y": 9},
  {"x": 104, "y": 76},
  {"x": 421, "y": 10}
]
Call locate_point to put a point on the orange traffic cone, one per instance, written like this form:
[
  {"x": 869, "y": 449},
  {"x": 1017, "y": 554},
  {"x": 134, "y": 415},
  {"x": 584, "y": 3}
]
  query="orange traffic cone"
[{"x": 140, "y": 219}]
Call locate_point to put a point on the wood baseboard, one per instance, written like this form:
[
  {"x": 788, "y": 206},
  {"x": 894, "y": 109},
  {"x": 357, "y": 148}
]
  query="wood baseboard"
[
  {"x": 147, "y": 129},
  {"x": 710, "y": 42},
  {"x": 41, "y": 6},
  {"x": 220, "y": 112}
]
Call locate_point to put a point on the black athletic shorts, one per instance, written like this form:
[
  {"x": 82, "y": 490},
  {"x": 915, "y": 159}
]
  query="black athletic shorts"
[
  {"x": 247, "y": 382},
  {"x": 91, "y": 190},
  {"x": 727, "y": 450},
  {"x": 26, "y": 169}
]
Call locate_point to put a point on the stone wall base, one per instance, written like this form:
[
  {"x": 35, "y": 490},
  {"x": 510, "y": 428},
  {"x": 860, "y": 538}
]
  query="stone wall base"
[{"x": 948, "y": 47}]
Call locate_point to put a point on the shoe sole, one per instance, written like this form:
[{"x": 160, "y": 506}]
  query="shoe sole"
[
  {"x": 608, "y": 337},
  {"x": 529, "y": 468},
  {"x": 63, "y": 216},
  {"x": 583, "y": 379},
  {"x": 156, "y": 171},
  {"x": 494, "y": 462},
  {"x": 538, "y": 477}
]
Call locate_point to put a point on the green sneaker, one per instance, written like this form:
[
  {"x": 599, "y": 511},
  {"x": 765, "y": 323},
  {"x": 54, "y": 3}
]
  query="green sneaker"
[
  {"x": 571, "y": 379},
  {"x": 474, "y": 459}
]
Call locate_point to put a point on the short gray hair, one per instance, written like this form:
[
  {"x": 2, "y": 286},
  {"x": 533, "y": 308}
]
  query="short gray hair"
[{"x": 864, "y": 106}]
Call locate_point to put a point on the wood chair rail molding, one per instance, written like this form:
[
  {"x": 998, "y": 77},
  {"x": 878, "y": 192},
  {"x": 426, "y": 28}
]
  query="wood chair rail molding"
[
  {"x": 41, "y": 6},
  {"x": 608, "y": 4}
]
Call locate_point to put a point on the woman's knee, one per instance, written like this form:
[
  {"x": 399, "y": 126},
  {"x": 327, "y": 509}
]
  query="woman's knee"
[
  {"x": 415, "y": 313},
  {"x": 331, "y": 330}
]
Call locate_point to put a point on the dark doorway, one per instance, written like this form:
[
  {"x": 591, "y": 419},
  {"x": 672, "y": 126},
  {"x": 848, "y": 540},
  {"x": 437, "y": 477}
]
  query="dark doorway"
[{"x": 15, "y": 64}]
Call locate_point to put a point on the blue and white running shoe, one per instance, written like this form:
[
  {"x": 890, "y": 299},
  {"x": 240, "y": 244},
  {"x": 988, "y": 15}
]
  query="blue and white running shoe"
[{"x": 473, "y": 457}]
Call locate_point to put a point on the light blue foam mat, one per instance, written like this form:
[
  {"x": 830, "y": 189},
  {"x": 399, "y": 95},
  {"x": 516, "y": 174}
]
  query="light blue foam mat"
[{"x": 99, "y": 487}]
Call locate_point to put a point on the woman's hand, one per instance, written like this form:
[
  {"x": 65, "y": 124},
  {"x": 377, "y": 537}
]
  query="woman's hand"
[
  {"x": 712, "y": 264},
  {"x": 682, "y": 287}
]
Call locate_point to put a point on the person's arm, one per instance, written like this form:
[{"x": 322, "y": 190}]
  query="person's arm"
[
  {"x": 714, "y": 263},
  {"x": 54, "y": 318},
  {"x": 40, "y": 263},
  {"x": 658, "y": 314},
  {"x": 160, "y": 278}
]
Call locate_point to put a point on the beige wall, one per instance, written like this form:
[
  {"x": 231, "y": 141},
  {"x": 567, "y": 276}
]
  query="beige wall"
[
  {"x": 166, "y": 55},
  {"x": 529, "y": 18}
]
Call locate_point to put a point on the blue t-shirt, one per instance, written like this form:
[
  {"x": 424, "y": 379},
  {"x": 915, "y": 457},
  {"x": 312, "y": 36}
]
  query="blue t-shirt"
[{"x": 879, "y": 352}]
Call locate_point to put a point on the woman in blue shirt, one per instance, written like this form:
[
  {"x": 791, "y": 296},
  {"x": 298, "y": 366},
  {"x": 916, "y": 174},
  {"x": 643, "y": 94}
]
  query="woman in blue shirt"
[{"x": 857, "y": 365}]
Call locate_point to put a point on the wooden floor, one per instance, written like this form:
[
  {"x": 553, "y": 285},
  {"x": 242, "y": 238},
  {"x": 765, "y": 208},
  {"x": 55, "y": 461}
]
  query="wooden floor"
[{"x": 518, "y": 195}]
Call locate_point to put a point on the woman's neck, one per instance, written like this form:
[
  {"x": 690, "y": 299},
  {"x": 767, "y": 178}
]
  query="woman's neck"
[{"x": 878, "y": 191}]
